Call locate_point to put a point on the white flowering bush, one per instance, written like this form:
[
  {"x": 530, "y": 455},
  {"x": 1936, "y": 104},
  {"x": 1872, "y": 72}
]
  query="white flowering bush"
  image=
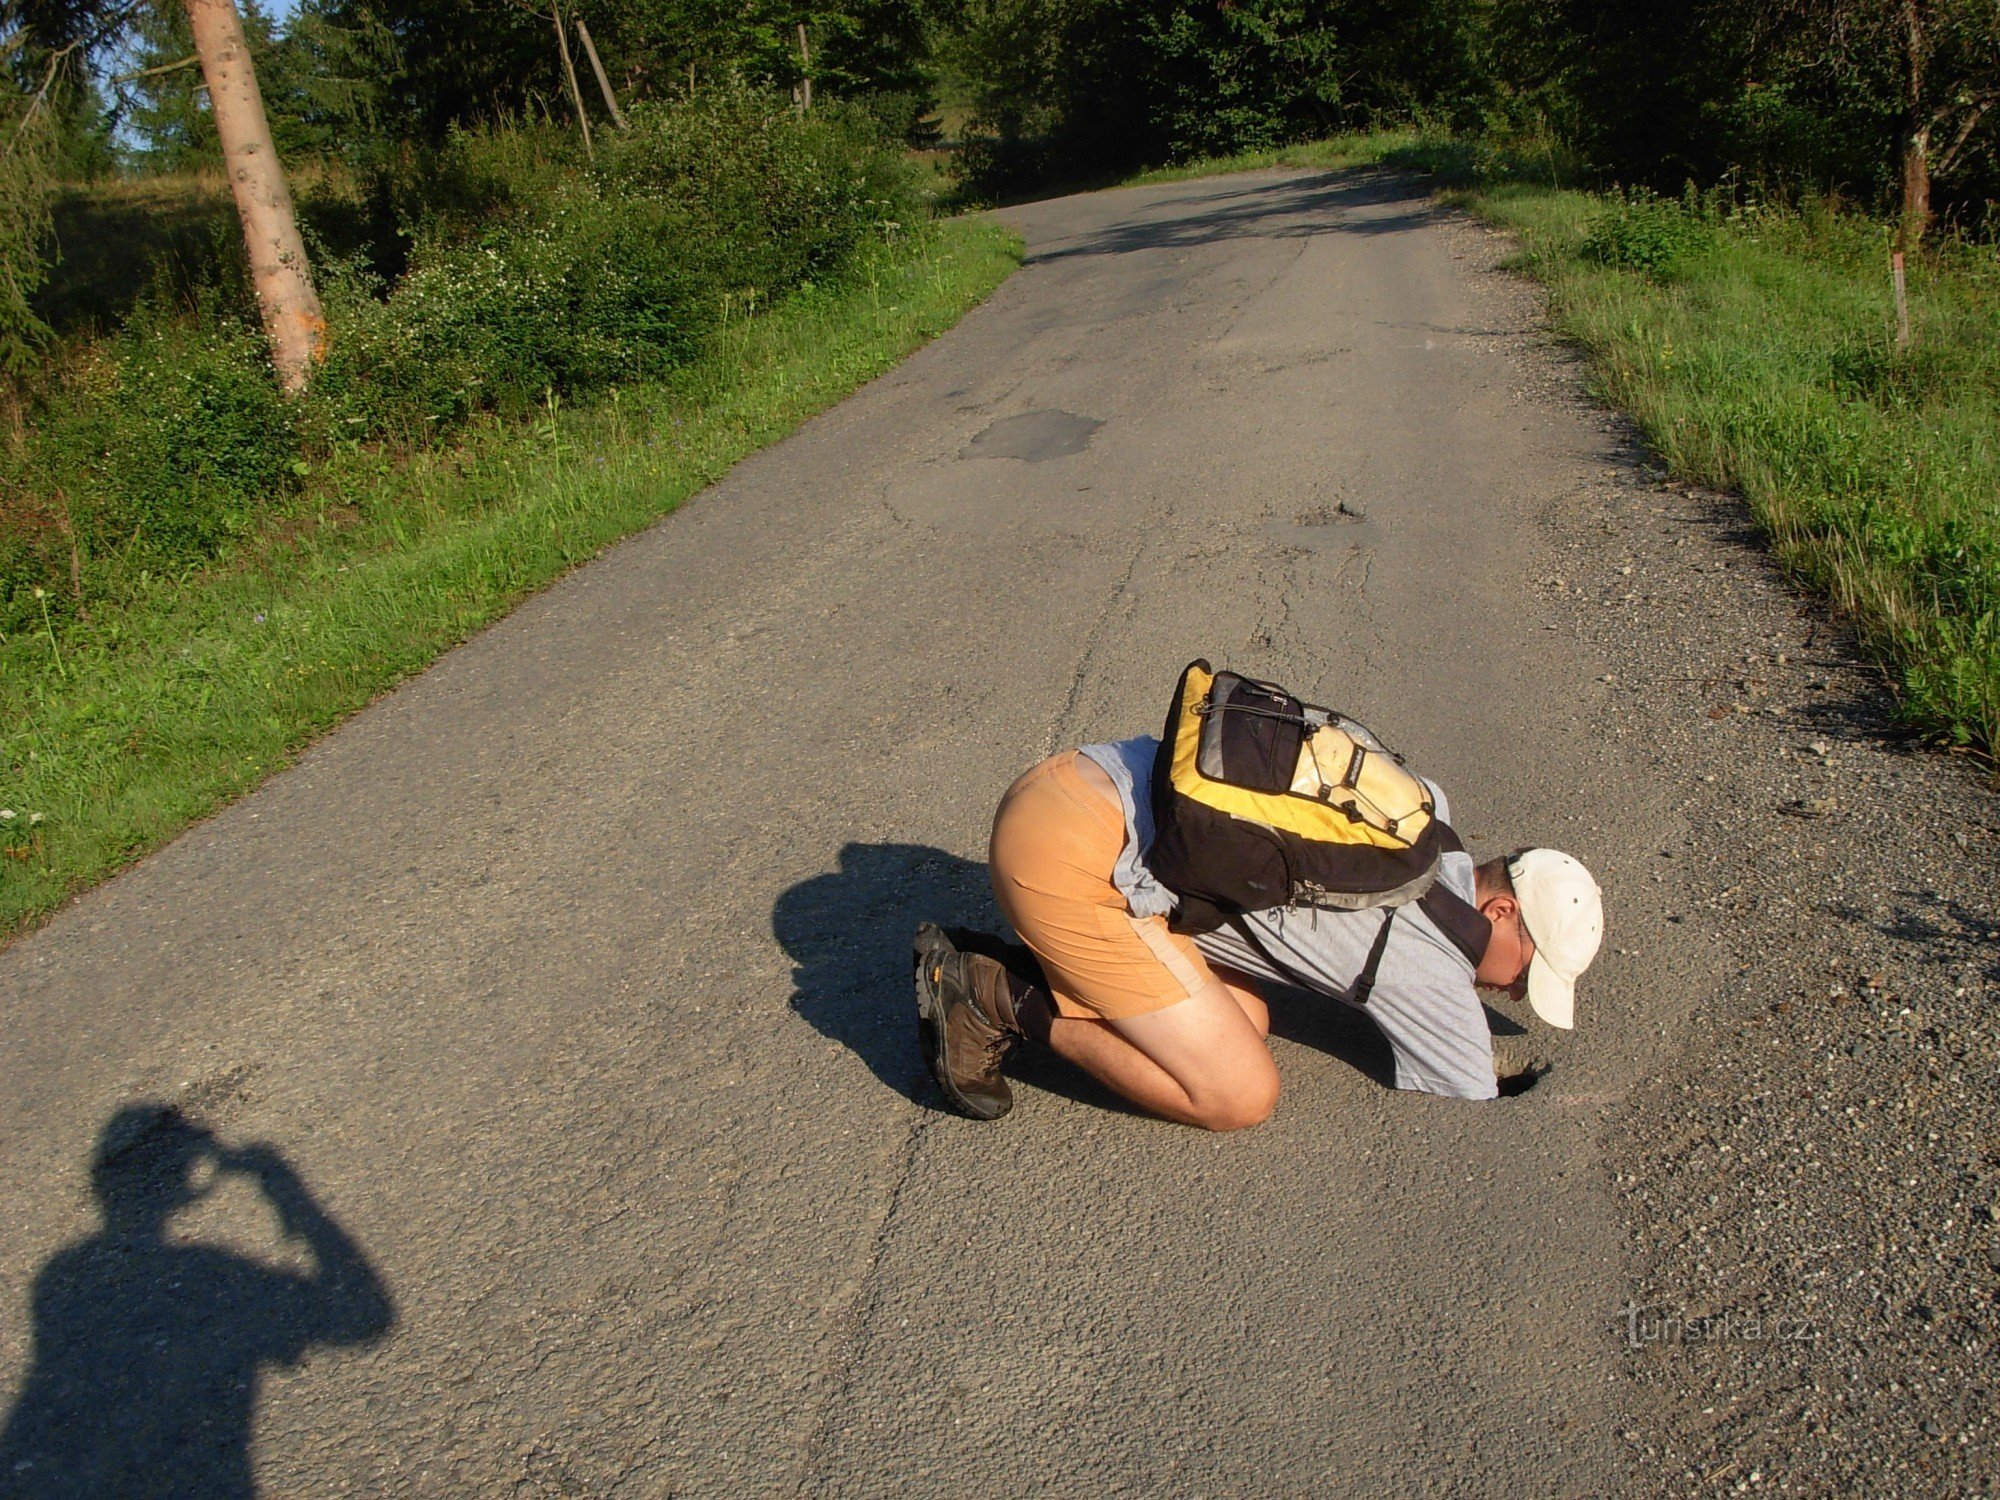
[{"x": 533, "y": 277}]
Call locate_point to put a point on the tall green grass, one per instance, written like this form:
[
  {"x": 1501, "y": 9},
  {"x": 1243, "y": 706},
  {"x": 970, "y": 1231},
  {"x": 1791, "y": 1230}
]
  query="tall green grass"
[
  {"x": 197, "y": 687},
  {"x": 1757, "y": 349}
]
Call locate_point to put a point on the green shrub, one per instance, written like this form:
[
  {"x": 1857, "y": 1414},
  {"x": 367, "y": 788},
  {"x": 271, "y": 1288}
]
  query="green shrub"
[
  {"x": 159, "y": 446},
  {"x": 478, "y": 178},
  {"x": 774, "y": 198},
  {"x": 590, "y": 296},
  {"x": 530, "y": 273},
  {"x": 570, "y": 280},
  {"x": 1645, "y": 233}
]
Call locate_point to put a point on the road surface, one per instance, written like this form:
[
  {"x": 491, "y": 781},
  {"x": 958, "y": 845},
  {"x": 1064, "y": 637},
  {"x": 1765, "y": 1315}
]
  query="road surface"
[{"x": 570, "y": 980}]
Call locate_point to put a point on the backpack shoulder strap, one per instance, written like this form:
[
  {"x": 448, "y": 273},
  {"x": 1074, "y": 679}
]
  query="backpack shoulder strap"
[
  {"x": 1364, "y": 986},
  {"x": 1459, "y": 920}
]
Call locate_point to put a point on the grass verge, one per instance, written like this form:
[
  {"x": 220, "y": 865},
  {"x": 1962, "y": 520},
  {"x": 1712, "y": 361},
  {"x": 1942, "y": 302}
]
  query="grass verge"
[
  {"x": 203, "y": 686},
  {"x": 1756, "y": 347},
  {"x": 1758, "y": 352}
]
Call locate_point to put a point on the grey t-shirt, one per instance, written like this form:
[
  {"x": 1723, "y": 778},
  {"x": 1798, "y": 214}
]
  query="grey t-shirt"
[{"x": 1424, "y": 1000}]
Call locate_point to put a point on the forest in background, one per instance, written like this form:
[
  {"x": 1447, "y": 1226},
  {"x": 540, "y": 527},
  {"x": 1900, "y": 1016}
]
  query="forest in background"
[
  {"x": 1888, "y": 105},
  {"x": 508, "y": 203},
  {"x": 1885, "y": 106}
]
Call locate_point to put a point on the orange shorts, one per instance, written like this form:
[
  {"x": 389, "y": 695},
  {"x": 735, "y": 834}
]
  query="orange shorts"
[{"x": 1056, "y": 840}]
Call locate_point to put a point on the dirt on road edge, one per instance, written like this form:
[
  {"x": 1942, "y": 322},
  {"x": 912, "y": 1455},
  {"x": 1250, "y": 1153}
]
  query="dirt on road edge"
[{"x": 1811, "y": 1175}]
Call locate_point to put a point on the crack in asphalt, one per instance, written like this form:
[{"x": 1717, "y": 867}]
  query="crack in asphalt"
[
  {"x": 1060, "y": 728},
  {"x": 853, "y": 1324}
]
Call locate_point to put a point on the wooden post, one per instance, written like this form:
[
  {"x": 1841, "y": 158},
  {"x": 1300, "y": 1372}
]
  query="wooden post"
[
  {"x": 286, "y": 300},
  {"x": 1902, "y": 300},
  {"x": 569, "y": 72},
  {"x": 805, "y": 72},
  {"x": 597, "y": 67}
]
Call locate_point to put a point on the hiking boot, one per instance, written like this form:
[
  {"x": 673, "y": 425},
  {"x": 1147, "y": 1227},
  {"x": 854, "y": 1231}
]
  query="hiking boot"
[{"x": 966, "y": 1016}]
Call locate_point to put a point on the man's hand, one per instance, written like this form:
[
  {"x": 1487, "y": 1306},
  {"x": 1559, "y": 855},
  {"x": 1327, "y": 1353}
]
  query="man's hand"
[{"x": 273, "y": 1174}]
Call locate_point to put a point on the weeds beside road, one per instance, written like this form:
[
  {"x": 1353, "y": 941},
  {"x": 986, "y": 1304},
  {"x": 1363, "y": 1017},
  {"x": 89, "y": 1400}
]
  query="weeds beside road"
[{"x": 1756, "y": 347}]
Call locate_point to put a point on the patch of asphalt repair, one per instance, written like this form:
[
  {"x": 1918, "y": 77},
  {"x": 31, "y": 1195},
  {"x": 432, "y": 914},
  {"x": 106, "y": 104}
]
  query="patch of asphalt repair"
[
  {"x": 1034, "y": 436},
  {"x": 1810, "y": 1175}
]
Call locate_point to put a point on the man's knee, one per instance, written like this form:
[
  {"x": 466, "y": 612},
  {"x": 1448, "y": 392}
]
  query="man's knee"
[{"x": 1246, "y": 1105}]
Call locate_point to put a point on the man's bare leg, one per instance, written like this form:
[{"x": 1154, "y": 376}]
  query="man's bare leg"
[
  {"x": 1243, "y": 990},
  {"x": 1202, "y": 1061}
]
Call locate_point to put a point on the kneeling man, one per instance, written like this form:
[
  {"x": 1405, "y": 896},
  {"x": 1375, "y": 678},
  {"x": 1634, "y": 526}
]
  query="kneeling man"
[{"x": 1173, "y": 1021}]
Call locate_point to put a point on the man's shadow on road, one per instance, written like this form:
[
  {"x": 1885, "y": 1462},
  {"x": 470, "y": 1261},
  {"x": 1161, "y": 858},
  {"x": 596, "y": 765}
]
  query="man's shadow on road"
[
  {"x": 848, "y": 933},
  {"x": 148, "y": 1349}
]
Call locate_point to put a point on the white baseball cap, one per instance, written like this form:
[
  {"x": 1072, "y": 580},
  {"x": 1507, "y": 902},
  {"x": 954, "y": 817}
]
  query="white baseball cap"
[{"x": 1563, "y": 911}]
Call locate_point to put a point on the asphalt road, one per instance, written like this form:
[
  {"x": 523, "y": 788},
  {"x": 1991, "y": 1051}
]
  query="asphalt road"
[{"x": 570, "y": 980}]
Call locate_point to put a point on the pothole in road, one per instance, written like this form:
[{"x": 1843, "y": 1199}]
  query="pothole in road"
[
  {"x": 1034, "y": 436},
  {"x": 1517, "y": 1081}
]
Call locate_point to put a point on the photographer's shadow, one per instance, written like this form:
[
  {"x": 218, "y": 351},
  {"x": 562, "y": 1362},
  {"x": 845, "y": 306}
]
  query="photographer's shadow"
[{"x": 148, "y": 1349}]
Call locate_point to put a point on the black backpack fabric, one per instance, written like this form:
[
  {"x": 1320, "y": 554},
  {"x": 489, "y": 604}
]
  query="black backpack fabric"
[{"x": 1262, "y": 800}]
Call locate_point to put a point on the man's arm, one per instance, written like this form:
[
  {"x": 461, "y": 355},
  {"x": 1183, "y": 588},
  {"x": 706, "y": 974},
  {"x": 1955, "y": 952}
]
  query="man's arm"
[
  {"x": 344, "y": 1301},
  {"x": 1439, "y": 1035}
]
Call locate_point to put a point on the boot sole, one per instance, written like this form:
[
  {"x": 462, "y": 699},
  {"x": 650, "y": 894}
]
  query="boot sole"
[{"x": 932, "y": 949}]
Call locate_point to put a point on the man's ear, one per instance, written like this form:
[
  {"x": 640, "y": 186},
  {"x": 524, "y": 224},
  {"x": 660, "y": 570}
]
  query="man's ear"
[{"x": 1499, "y": 908}]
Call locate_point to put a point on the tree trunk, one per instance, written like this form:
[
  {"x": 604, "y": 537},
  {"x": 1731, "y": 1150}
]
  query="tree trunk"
[
  {"x": 603, "y": 79},
  {"x": 569, "y": 72},
  {"x": 1916, "y": 218},
  {"x": 285, "y": 297}
]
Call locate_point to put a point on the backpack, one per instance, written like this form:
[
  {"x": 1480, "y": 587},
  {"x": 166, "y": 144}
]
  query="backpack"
[{"x": 1262, "y": 800}]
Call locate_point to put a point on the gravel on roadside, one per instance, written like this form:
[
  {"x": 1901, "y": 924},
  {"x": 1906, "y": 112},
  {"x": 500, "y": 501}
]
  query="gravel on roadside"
[{"x": 1810, "y": 1176}]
